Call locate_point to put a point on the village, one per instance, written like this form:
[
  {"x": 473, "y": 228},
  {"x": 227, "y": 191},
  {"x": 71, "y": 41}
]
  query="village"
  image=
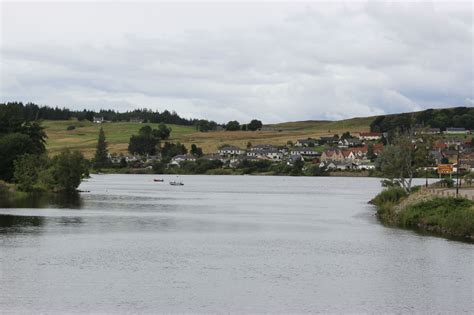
[{"x": 355, "y": 152}]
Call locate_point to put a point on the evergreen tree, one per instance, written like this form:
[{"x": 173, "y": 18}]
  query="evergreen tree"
[
  {"x": 370, "y": 152},
  {"x": 101, "y": 158}
]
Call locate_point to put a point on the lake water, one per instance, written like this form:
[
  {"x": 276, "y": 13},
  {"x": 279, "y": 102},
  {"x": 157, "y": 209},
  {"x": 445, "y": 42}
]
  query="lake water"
[{"x": 239, "y": 244}]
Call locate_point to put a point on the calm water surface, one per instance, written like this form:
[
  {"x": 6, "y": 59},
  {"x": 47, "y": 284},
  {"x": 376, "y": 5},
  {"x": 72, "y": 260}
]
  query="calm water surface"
[{"x": 225, "y": 244}]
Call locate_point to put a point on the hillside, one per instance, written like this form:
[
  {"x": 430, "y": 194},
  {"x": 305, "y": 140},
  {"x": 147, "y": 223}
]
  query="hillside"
[{"x": 84, "y": 137}]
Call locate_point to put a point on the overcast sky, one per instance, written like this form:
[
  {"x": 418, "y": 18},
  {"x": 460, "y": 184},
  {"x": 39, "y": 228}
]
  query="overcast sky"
[{"x": 222, "y": 61}]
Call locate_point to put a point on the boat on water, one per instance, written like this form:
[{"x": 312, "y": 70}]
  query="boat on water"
[
  {"x": 176, "y": 183},
  {"x": 159, "y": 180}
]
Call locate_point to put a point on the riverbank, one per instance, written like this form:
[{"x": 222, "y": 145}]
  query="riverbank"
[{"x": 444, "y": 216}]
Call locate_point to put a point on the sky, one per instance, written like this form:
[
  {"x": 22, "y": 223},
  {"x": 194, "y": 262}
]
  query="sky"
[{"x": 274, "y": 61}]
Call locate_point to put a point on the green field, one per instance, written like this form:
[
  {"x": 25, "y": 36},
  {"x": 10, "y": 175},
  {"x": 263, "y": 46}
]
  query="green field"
[{"x": 84, "y": 137}]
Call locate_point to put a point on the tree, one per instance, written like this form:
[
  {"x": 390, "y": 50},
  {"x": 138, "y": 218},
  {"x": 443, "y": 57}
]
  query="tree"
[
  {"x": 27, "y": 169},
  {"x": 196, "y": 151},
  {"x": 37, "y": 136},
  {"x": 249, "y": 145},
  {"x": 370, "y": 152},
  {"x": 12, "y": 146},
  {"x": 346, "y": 135},
  {"x": 170, "y": 150},
  {"x": 143, "y": 143},
  {"x": 399, "y": 161},
  {"x": 101, "y": 158},
  {"x": 162, "y": 132},
  {"x": 254, "y": 125},
  {"x": 123, "y": 162},
  {"x": 244, "y": 127},
  {"x": 66, "y": 172},
  {"x": 297, "y": 168},
  {"x": 232, "y": 125},
  {"x": 158, "y": 167}
]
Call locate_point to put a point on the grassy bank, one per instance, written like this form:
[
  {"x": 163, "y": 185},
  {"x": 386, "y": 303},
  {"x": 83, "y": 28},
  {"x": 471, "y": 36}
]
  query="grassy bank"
[{"x": 449, "y": 217}]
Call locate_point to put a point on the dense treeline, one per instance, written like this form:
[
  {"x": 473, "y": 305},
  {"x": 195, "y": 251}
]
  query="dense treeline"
[
  {"x": 23, "y": 158},
  {"x": 32, "y": 112},
  {"x": 460, "y": 117}
]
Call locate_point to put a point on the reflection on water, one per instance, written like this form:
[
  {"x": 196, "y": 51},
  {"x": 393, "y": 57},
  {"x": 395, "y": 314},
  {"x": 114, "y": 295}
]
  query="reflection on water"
[
  {"x": 41, "y": 200},
  {"x": 14, "y": 223}
]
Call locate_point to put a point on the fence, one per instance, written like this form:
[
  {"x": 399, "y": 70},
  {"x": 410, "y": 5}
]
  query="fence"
[{"x": 450, "y": 192}]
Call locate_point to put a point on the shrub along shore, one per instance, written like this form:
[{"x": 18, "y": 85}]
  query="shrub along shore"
[{"x": 444, "y": 216}]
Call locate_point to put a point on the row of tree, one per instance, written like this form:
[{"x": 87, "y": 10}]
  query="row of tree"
[
  {"x": 234, "y": 125},
  {"x": 461, "y": 117},
  {"x": 33, "y": 112}
]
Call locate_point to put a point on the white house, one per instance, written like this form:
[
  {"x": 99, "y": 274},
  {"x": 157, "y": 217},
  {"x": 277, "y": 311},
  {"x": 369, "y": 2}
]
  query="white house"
[
  {"x": 457, "y": 131},
  {"x": 230, "y": 150},
  {"x": 98, "y": 120},
  {"x": 371, "y": 136},
  {"x": 304, "y": 152},
  {"x": 178, "y": 159}
]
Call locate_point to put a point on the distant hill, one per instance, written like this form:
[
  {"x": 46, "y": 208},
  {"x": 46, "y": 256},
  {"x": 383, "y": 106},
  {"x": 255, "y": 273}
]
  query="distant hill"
[{"x": 84, "y": 136}]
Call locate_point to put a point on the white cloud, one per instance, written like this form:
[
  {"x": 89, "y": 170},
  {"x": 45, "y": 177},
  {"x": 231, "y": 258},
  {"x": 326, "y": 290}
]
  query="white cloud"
[{"x": 273, "y": 61}]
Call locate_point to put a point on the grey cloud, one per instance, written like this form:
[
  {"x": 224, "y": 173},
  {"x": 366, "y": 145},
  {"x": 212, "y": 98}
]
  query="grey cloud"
[{"x": 321, "y": 62}]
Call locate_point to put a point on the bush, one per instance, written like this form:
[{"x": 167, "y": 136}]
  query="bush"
[
  {"x": 66, "y": 172},
  {"x": 390, "y": 195},
  {"x": 26, "y": 171},
  {"x": 72, "y": 127},
  {"x": 447, "y": 182}
]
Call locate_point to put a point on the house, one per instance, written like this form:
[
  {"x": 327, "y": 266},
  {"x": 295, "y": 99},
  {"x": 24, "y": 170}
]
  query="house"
[
  {"x": 306, "y": 153},
  {"x": 329, "y": 139},
  {"x": 272, "y": 154},
  {"x": 212, "y": 157},
  {"x": 365, "y": 166},
  {"x": 306, "y": 142},
  {"x": 132, "y": 158},
  {"x": 293, "y": 158},
  {"x": 370, "y": 136},
  {"x": 115, "y": 158},
  {"x": 328, "y": 165},
  {"x": 440, "y": 145},
  {"x": 178, "y": 159},
  {"x": 150, "y": 159},
  {"x": 451, "y": 155},
  {"x": 260, "y": 147},
  {"x": 349, "y": 142},
  {"x": 230, "y": 150},
  {"x": 457, "y": 131},
  {"x": 338, "y": 165},
  {"x": 430, "y": 131},
  {"x": 467, "y": 165},
  {"x": 436, "y": 156},
  {"x": 349, "y": 155},
  {"x": 332, "y": 155},
  {"x": 98, "y": 120},
  {"x": 454, "y": 142}
]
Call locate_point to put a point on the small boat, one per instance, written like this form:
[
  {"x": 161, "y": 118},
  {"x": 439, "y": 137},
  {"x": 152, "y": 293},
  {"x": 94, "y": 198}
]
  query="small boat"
[
  {"x": 159, "y": 180},
  {"x": 176, "y": 183}
]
